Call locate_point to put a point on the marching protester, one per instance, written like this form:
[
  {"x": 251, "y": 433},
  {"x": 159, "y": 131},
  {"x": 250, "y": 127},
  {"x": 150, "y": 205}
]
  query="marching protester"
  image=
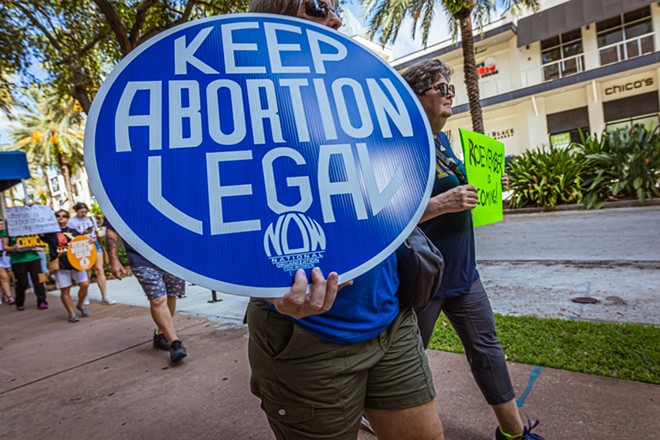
[
  {"x": 320, "y": 360},
  {"x": 160, "y": 287},
  {"x": 447, "y": 221},
  {"x": 5, "y": 267},
  {"x": 24, "y": 261},
  {"x": 64, "y": 272},
  {"x": 87, "y": 225}
]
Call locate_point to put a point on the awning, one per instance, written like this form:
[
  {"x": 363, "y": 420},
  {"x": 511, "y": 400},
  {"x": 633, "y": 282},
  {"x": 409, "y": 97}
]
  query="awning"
[
  {"x": 13, "y": 168},
  {"x": 570, "y": 16}
]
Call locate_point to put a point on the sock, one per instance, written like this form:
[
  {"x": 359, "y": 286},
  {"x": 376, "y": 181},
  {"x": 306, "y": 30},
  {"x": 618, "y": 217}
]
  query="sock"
[{"x": 509, "y": 436}]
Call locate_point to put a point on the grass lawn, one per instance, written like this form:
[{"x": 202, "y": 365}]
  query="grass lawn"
[{"x": 624, "y": 351}]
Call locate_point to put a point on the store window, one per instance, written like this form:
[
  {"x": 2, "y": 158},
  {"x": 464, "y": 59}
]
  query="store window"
[
  {"x": 649, "y": 121},
  {"x": 625, "y": 36},
  {"x": 564, "y": 127},
  {"x": 562, "y": 55}
]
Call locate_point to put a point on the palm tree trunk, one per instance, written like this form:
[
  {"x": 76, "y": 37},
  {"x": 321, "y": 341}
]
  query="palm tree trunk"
[
  {"x": 470, "y": 72},
  {"x": 63, "y": 161},
  {"x": 51, "y": 202}
]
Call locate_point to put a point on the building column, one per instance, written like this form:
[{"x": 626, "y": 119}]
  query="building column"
[
  {"x": 537, "y": 123},
  {"x": 655, "y": 18},
  {"x": 595, "y": 108},
  {"x": 590, "y": 47}
]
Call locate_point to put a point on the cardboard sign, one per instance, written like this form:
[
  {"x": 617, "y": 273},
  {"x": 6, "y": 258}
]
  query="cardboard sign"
[
  {"x": 31, "y": 220},
  {"x": 484, "y": 164},
  {"x": 81, "y": 253},
  {"x": 233, "y": 151}
]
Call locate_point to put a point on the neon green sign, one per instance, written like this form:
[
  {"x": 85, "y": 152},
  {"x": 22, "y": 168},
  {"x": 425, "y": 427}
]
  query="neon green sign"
[
  {"x": 484, "y": 164},
  {"x": 560, "y": 140}
]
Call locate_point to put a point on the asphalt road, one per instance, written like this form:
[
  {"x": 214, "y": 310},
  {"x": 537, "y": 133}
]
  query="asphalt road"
[
  {"x": 622, "y": 234},
  {"x": 537, "y": 264}
]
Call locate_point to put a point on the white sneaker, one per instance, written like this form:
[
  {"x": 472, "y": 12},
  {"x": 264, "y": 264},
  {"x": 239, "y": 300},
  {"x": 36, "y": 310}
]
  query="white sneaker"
[
  {"x": 108, "y": 301},
  {"x": 86, "y": 302},
  {"x": 364, "y": 423}
]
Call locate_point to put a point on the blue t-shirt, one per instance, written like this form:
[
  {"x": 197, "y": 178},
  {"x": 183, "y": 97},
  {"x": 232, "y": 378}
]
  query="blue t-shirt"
[
  {"x": 452, "y": 233},
  {"x": 361, "y": 311}
]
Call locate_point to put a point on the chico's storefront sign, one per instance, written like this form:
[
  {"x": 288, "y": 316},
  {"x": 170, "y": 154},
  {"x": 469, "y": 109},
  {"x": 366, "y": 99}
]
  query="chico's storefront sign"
[{"x": 629, "y": 86}]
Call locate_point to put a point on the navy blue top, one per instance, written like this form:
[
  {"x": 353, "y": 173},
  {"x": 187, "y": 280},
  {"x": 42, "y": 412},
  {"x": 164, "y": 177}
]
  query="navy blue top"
[{"x": 452, "y": 233}]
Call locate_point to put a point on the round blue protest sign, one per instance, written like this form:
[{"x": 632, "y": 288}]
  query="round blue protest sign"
[{"x": 235, "y": 150}]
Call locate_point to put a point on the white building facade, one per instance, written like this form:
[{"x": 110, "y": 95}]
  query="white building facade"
[{"x": 589, "y": 65}]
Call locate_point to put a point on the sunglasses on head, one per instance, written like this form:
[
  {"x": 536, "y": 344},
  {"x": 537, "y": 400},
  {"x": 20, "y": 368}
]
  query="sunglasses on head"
[
  {"x": 318, "y": 9},
  {"x": 443, "y": 88}
]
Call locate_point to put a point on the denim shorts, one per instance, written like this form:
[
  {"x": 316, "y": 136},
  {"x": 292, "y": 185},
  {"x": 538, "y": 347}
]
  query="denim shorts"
[
  {"x": 156, "y": 282},
  {"x": 311, "y": 388}
]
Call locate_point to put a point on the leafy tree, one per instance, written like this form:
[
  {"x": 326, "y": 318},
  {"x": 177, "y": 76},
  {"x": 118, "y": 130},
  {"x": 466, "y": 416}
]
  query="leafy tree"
[
  {"x": 78, "y": 41},
  {"x": 50, "y": 132},
  {"x": 388, "y": 15}
]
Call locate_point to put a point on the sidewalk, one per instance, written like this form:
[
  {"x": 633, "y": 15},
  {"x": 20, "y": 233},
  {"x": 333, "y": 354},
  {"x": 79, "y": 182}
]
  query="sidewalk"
[{"x": 100, "y": 379}]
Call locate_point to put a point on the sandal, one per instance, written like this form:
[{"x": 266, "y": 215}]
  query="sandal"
[{"x": 8, "y": 299}]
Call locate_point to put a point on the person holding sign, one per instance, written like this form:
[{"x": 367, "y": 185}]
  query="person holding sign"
[
  {"x": 5, "y": 267},
  {"x": 65, "y": 273},
  {"x": 320, "y": 360},
  {"x": 24, "y": 261},
  {"x": 447, "y": 221},
  {"x": 87, "y": 225}
]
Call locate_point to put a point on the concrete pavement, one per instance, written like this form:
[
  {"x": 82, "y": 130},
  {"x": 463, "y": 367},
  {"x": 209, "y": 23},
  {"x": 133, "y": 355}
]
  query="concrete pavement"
[{"x": 100, "y": 378}]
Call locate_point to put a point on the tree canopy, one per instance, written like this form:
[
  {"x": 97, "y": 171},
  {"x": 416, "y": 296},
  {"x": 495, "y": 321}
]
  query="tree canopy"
[{"x": 76, "y": 42}]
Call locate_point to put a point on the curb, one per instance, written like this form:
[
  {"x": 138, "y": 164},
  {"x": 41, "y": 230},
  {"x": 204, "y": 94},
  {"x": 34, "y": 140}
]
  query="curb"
[{"x": 606, "y": 205}]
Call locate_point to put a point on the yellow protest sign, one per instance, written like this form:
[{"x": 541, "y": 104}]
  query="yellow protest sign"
[
  {"x": 81, "y": 253},
  {"x": 30, "y": 241},
  {"x": 484, "y": 165}
]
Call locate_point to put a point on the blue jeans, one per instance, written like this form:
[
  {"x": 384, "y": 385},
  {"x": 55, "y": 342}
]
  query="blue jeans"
[{"x": 472, "y": 318}]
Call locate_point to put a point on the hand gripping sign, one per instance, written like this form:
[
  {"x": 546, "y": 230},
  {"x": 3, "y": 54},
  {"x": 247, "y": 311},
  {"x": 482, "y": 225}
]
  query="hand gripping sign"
[
  {"x": 234, "y": 150},
  {"x": 81, "y": 253}
]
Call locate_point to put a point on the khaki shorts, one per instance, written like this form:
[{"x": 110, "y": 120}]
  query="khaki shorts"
[{"x": 310, "y": 388}]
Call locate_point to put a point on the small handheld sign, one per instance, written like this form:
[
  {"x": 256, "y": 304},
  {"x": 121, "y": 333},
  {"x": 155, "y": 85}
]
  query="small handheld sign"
[
  {"x": 81, "y": 253},
  {"x": 31, "y": 220},
  {"x": 484, "y": 165},
  {"x": 233, "y": 151}
]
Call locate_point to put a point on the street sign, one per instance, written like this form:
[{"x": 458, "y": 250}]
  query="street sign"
[{"x": 234, "y": 150}]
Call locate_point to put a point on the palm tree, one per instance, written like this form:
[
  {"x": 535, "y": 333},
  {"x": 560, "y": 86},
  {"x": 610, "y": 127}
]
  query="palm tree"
[
  {"x": 389, "y": 14},
  {"x": 50, "y": 132}
]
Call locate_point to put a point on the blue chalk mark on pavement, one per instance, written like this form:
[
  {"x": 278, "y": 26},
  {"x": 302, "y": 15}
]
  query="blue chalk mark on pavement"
[{"x": 530, "y": 385}]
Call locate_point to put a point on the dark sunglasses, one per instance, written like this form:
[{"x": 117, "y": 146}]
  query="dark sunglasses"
[
  {"x": 318, "y": 9},
  {"x": 443, "y": 88},
  {"x": 61, "y": 216}
]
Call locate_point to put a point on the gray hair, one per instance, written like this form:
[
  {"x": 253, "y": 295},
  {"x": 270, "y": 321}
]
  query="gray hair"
[
  {"x": 421, "y": 75},
  {"x": 281, "y": 7}
]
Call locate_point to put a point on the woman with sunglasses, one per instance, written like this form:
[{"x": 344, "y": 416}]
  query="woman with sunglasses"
[
  {"x": 85, "y": 224},
  {"x": 447, "y": 221},
  {"x": 65, "y": 274},
  {"x": 5, "y": 267},
  {"x": 319, "y": 361}
]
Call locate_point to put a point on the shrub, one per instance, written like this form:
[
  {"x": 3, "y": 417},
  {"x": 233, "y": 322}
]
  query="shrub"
[
  {"x": 546, "y": 176},
  {"x": 621, "y": 164}
]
